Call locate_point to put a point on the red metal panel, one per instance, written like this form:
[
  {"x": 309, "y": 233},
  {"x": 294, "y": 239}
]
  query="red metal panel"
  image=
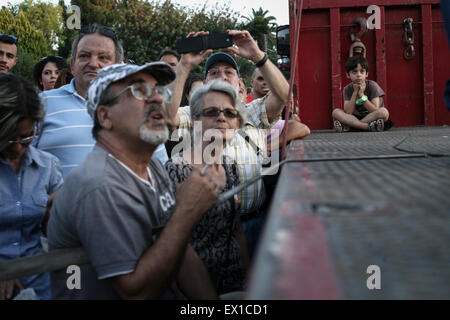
[
  {"x": 336, "y": 79},
  {"x": 314, "y": 70},
  {"x": 414, "y": 88},
  {"x": 441, "y": 67},
  {"x": 404, "y": 77},
  {"x": 321, "y": 4},
  {"x": 306, "y": 274},
  {"x": 427, "y": 38},
  {"x": 380, "y": 36}
]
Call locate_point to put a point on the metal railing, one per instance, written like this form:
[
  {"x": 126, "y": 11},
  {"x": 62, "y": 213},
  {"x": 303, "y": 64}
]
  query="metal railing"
[{"x": 40, "y": 263}]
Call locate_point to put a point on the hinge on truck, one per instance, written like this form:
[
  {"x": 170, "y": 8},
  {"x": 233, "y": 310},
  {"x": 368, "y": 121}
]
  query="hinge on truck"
[{"x": 409, "y": 39}]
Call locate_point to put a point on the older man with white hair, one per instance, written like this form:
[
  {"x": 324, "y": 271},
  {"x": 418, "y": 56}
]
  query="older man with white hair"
[{"x": 121, "y": 206}]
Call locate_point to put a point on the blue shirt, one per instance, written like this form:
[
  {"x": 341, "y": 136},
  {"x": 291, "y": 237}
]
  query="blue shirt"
[
  {"x": 66, "y": 131},
  {"x": 23, "y": 200}
]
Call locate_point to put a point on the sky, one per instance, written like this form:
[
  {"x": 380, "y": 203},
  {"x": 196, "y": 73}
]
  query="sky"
[{"x": 276, "y": 8}]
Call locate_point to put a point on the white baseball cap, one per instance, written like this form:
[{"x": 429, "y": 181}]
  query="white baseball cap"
[{"x": 161, "y": 71}]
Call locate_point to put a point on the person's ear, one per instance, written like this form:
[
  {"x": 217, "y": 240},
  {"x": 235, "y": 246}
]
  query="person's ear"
[
  {"x": 348, "y": 76},
  {"x": 104, "y": 117}
]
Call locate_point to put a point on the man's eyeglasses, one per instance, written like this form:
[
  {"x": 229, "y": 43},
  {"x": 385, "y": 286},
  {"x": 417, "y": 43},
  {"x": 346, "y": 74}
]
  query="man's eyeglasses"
[
  {"x": 214, "y": 112},
  {"x": 142, "y": 91},
  {"x": 14, "y": 39},
  {"x": 105, "y": 31},
  {"x": 25, "y": 141}
]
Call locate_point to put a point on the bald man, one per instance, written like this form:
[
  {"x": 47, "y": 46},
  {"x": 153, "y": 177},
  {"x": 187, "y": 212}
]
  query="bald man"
[{"x": 259, "y": 86}]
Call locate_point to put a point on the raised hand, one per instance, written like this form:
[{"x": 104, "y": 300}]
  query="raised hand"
[
  {"x": 245, "y": 45},
  {"x": 362, "y": 88}
]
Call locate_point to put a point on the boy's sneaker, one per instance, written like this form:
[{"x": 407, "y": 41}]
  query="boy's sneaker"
[
  {"x": 376, "y": 126},
  {"x": 339, "y": 127}
]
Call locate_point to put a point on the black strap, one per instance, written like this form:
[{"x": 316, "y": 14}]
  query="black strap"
[
  {"x": 219, "y": 281},
  {"x": 260, "y": 63}
]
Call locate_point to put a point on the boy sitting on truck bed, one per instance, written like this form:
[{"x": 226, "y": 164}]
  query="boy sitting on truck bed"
[{"x": 363, "y": 101}]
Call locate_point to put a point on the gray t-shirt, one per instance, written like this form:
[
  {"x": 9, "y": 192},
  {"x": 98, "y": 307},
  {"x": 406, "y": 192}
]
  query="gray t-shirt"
[
  {"x": 115, "y": 215},
  {"x": 372, "y": 91}
]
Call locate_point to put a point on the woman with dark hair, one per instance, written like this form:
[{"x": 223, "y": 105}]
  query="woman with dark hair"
[
  {"x": 65, "y": 76},
  {"x": 28, "y": 180},
  {"x": 194, "y": 80},
  {"x": 47, "y": 71}
]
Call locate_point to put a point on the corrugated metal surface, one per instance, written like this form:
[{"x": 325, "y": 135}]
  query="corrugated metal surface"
[{"x": 330, "y": 221}]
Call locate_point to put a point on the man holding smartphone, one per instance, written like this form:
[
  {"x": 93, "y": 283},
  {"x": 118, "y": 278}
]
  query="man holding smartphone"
[{"x": 262, "y": 114}]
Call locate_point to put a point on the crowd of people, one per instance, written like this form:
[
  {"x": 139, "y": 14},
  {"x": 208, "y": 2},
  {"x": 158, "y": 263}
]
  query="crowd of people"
[{"x": 129, "y": 162}]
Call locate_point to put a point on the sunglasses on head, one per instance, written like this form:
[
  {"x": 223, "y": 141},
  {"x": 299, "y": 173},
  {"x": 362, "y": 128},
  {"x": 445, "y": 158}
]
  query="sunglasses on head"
[
  {"x": 214, "y": 112},
  {"x": 13, "y": 38},
  {"x": 104, "y": 31},
  {"x": 51, "y": 56}
]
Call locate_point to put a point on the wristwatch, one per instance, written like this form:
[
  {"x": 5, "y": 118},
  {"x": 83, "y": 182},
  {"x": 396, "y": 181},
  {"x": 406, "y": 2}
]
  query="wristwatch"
[{"x": 362, "y": 99}]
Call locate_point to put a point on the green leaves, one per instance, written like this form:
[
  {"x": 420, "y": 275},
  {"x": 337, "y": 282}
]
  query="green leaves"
[
  {"x": 144, "y": 27},
  {"x": 31, "y": 40},
  {"x": 262, "y": 28}
]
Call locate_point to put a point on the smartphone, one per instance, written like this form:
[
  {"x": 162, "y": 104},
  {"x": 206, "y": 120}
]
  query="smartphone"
[{"x": 200, "y": 43}]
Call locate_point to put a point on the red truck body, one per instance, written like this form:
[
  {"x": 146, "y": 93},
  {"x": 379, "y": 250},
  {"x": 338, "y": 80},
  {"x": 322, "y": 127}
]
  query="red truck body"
[{"x": 414, "y": 87}]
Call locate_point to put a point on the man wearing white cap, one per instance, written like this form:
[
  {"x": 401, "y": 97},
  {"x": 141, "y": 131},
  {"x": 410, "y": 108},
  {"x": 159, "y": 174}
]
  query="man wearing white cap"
[{"x": 120, "y": 205}]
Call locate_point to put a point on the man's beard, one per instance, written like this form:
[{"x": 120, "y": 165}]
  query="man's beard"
[{"x": 153, "y": 137}]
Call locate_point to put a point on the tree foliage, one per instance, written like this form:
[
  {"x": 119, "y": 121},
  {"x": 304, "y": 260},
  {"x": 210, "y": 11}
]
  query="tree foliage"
[
  {"x": 30, "y": 39},
  {"x": 45, "y": 17},
  {"x": 37, "y": 26},
  {"x": 262, "y": 28},
  {"x": 144, "y": 27}
]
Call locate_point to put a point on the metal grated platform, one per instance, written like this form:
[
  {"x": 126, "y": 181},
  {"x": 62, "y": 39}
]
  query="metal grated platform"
[{"x": 331, "y": 220}]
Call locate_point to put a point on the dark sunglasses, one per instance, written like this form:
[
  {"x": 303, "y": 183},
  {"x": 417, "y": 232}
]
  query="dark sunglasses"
[
  {"x": 13, "y": 38},
  {"x": 104, "y": 31},
  {"x": 214, "y": 112}
]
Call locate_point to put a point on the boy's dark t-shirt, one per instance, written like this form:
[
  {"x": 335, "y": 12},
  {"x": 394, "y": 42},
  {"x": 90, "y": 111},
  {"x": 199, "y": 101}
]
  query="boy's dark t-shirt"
[{"x": 372, "y": 91}]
